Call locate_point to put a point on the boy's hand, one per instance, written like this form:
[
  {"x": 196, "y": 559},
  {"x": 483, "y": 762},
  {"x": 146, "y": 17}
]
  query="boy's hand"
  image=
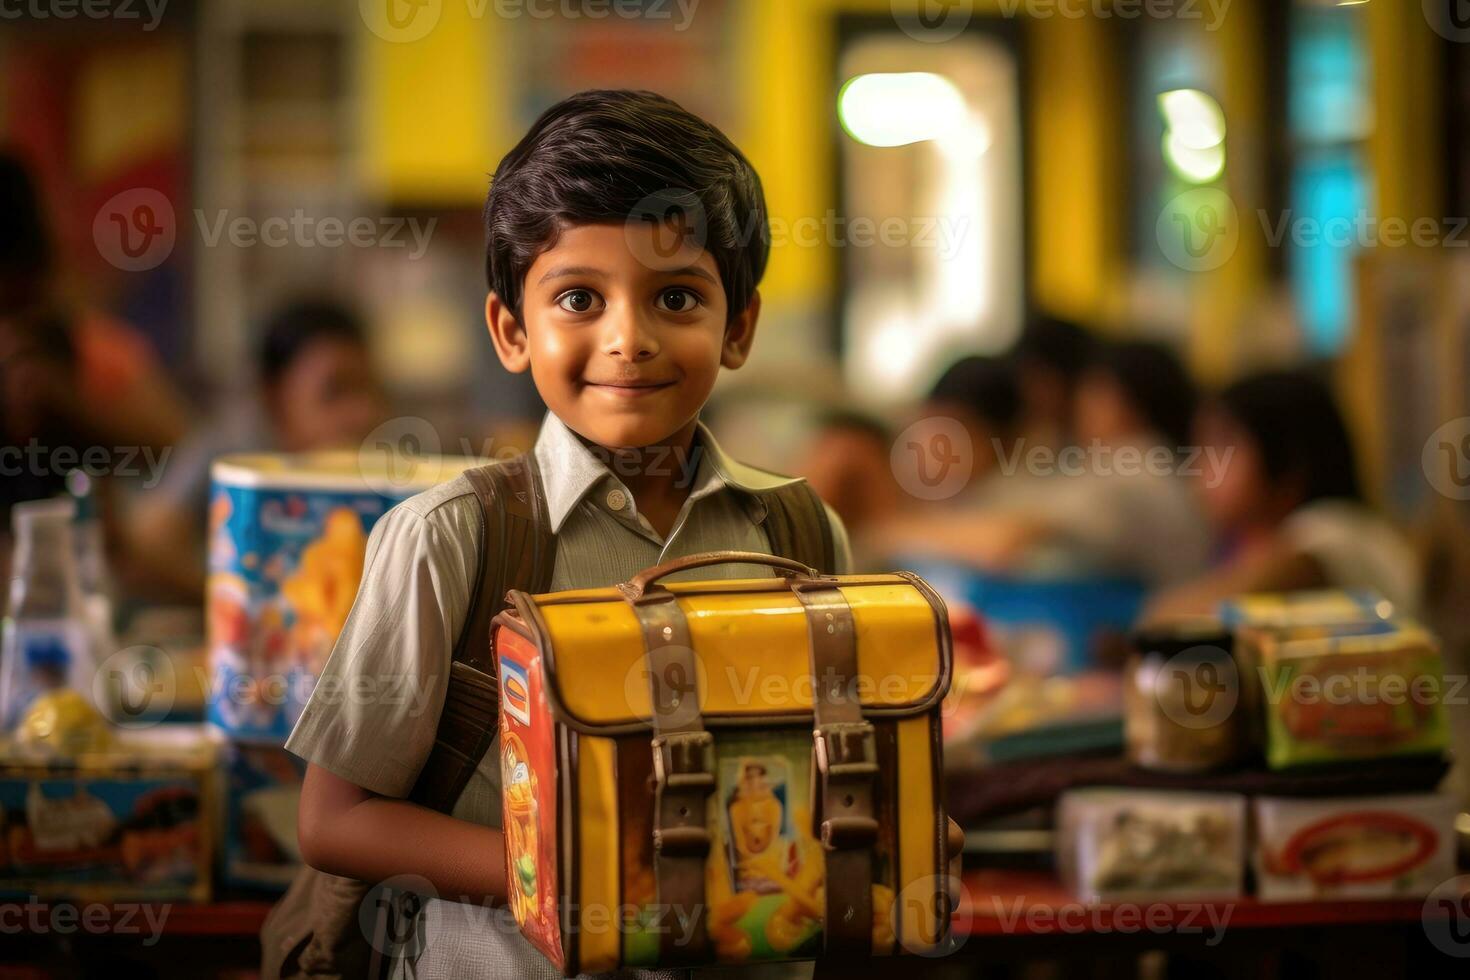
[{"x": 954, "y": 846}]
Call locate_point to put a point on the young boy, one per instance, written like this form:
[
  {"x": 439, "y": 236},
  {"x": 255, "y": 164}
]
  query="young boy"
[{"x": 624, "y": 334}]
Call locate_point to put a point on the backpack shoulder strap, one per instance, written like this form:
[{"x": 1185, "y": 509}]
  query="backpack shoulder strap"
[
  {"x": 517, "y": 551},
  {"x": 797, "y": 524}
]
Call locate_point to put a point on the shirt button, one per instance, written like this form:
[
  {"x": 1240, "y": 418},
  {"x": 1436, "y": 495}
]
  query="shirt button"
[{"x": 616, "y": 499}]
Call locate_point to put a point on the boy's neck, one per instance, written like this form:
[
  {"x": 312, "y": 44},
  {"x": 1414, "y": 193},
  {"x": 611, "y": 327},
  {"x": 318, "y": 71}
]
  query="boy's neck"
[{"x": 659, "y": 476}]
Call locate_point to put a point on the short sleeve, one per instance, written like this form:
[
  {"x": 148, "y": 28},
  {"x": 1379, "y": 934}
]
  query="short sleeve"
[{"x": 372, "y": 716}]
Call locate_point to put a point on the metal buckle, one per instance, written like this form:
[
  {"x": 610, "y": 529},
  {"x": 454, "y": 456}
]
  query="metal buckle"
[
  {"x": 846, "y": 750},
  {"x": 843, "y": 833},
  {"x": 846, "y": 758},
  {"x": 684, "y": 760},
  {"x": 681, "y": 841},
  {"x": 684, "y": 766}
]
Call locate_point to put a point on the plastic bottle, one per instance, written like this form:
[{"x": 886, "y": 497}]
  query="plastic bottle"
[
  {"x": 47, "y": 637},
  {"x": 92, "y": 570}
]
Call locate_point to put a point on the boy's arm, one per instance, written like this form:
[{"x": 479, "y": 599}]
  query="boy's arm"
[
  {"x": 346, "y": 830},
  {"x": 369, "y": 725}
]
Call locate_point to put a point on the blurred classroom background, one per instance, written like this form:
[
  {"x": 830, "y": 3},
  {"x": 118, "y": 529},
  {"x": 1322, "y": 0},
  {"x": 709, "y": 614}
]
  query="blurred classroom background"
[{"x": 1021, "y": 248}]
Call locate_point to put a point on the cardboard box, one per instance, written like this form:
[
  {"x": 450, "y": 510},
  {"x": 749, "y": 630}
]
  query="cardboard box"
[
  {"x": 1327, "y": 694},
  {"x": 1126, "y": 844},
  {"x": 133, "y": 823},
  {"x": 1353, "y": 847},
  {"x": 263, "y": 789}
]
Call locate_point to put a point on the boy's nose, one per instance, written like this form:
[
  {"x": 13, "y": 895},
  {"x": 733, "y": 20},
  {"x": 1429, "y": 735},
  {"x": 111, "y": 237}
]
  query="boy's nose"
[{"x": 629, "y": 338}]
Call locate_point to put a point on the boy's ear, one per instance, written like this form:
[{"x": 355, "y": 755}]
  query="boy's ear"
[
  {"x": 740, "y": 334},
  {"x": 507, "y": 334}
]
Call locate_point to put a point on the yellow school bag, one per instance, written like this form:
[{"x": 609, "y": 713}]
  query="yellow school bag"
[{"x": 726, "y": 771}]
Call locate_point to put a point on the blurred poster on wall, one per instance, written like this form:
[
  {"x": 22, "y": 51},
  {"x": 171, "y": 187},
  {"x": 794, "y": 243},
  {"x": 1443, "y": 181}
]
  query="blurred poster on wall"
[{"x": 654, "y": 45}]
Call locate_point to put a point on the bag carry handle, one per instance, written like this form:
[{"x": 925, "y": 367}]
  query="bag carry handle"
[{"x": 635, "y": 588}]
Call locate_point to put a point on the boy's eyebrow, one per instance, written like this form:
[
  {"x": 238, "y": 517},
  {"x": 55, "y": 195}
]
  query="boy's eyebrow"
[
  {"x": 693, "y": 270},
  {"x": 562, "y": 271}
]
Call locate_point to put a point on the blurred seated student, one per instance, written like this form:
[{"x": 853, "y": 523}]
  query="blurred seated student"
[
  {"x": 1287, "y": 507},
  {"x": 1115, "y": 504},
  {"x": 122, "y": 391},
  {"x": 1049, "y": 359},
  {"x": 846, "y": 461},
  {"x": 984, "y": 395},
  {"x": 317, "y": 389}
]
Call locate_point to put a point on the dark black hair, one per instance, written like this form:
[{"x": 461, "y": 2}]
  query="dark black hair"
[
  {"x": 298, "y": 325},
  {"x": 25, "y": 240},
  {"x": 1295, "y": 423},
  {"x": 610, "y": 156},
  {"x": 1061, "y": 345},
  {"x": 1154, "y": 381},
  {"x": 985, "y": 385}
]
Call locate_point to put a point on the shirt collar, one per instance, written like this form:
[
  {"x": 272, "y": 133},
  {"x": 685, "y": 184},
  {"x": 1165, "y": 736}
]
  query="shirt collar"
[{"x": 569, "y": 470}]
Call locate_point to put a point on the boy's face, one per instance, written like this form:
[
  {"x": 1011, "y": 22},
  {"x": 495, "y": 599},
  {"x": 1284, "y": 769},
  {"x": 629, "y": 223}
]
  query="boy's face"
[{"x": 624, "y": 346}]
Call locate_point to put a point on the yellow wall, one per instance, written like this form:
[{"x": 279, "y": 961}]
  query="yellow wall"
[
  {"x": 435, "y": 113},
  {"x": 437, "y": 117}
]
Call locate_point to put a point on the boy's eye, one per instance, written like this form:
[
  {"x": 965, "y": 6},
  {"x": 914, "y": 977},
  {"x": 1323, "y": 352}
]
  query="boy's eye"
[
  {"x": 577, "y": 300},
  {"x": 677, "y": 300}
]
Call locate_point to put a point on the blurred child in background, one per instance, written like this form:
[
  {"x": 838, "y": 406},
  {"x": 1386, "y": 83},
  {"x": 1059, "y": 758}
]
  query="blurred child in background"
[
  {"x": 1288, "y": 511},
  {"x": 846, "y": 463},
  {"x": 1114, "y": 504},
  {"x": 121, "y": 389},
  {"x": 317, "y": 390},
  {"x": 1049, "y": 358}
]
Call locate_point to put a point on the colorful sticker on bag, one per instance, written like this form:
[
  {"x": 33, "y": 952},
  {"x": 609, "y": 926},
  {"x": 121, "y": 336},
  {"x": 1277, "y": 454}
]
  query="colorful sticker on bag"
[
  {"x": 764, "y": 884},
  {"x": 515, "y": 691}
]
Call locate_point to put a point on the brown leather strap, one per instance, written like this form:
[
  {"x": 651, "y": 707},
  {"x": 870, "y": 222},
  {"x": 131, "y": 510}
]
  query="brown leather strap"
[
  {"x": 797, "y": 525},
  {"x": 634, "y": 588},
  {"x": 517, "y": 551},
  {"x": 683, "y": 777},
  {"x": 844, "y": 771}
]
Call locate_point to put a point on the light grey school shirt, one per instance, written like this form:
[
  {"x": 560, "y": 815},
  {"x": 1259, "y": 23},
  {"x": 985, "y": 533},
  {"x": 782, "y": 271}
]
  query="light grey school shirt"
[{"x": 372, "y": 717}]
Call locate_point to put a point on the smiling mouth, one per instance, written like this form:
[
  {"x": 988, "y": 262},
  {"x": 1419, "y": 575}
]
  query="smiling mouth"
[{"x": 629, "y": 389}]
